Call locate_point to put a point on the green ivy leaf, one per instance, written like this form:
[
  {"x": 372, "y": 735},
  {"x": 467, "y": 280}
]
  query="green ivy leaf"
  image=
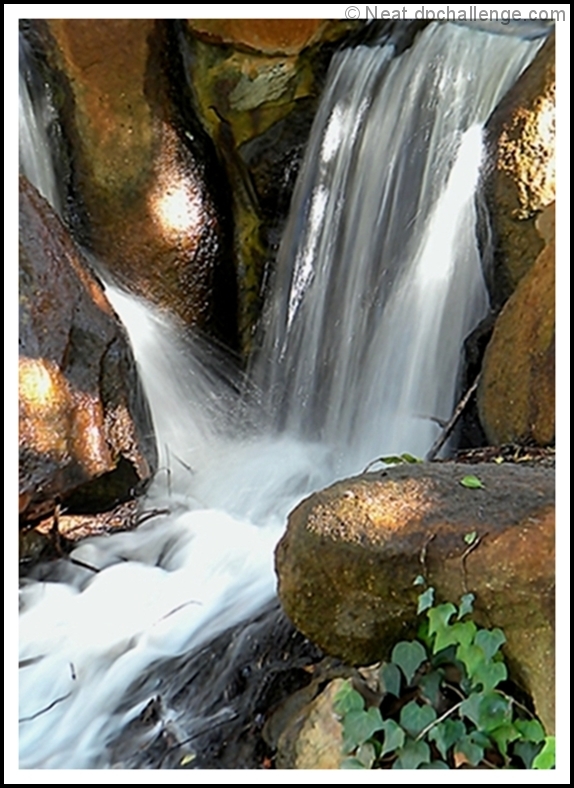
[
  {"x": 392, "y": 459},
  {"x": 546, "y": 758},
  {"x": 490, "y": 640},
  {"x": 430, "y": 685},
  {"x": 347, "y": 699},
  {"x": 415, "y": 718},
  {"x": 366, "y": 755},
  {"x": 438, "y": 625},
  {"x": 503, "y": 735},
  {"x": 526, "y": 751},
  {"x": 390, "y": 679},
  {"x": 447, "y": 733},
  {"x": 490, "y": 674},
  {"x": 419, "y": 581},
  {"x": 425, "y": 600},
  {"x": 352, "y": 763},
  {"x": 435, "y": 765},
  {"x": 359, "y": 726},
  {"x": 493, "y": 710},
  {"x": 394, "y": 737},
  {"x": 531, "y": 730},
  {"x": 412, "y": 755},
  {"x": 472, "y": 482},
  {"x": 466, "y": 605},
  {"x": 470, "y": 538},
  {"x": 471, "y": 656},
  {"x": 470, "y": 708},
  {"x": 410, "y": 458},
  {"x": 409, "y": 656},
  {"x": 470, "y": 751}
]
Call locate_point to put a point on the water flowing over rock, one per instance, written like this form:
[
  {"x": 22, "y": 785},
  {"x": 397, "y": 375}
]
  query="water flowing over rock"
[
  {"x": 516, "y": 396},
  {"x": 348, "y": 559},
  {"x": 521, "y": 139},
  {"x": 83, "y": 416},
  {"x": 154, "y": 197},
  {"x": 360, "y": 358}
]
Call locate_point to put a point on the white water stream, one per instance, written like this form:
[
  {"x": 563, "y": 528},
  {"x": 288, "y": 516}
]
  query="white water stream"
[{"x": 378, "y": 282}]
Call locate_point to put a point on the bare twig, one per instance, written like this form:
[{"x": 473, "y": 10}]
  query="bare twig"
[
  {"x": 423, "y": 555},
  {"x": 442, "y": 717},
  {"x": 465, "y": 555},
  {"x": 442, "y": 438},
  {"x": 43, "y": 711}
]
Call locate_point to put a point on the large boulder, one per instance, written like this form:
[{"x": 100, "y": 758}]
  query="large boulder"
[
  {"x": 516, "y": 395},
  {"x": 521, "y": 182},
  {"x": 85, "y": 426},
  {"x": 350, "y": 554},
  {"x": 155, "y": 202}
]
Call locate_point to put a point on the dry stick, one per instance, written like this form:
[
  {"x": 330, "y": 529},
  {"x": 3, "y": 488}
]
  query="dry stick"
[
  {"x": 43, "y": 711},
  {"x": 465, "y": 555},
  {"x": 441, "y": 440}
]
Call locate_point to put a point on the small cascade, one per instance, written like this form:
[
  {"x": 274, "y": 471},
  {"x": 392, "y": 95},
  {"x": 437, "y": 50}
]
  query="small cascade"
[{"x": 378, "y": 282}]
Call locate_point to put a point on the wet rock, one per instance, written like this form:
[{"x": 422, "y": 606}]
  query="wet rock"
[
  {"x": 83, "y": 417},
  {"x": 521, "y": 137},
  {"x": 155, "y": 201},
  {"x": 256, "y": 85},
  {"x": 516, "y": 395},
  {"x": 268, "y": 36},
  {"x": 348, "y": 559}
]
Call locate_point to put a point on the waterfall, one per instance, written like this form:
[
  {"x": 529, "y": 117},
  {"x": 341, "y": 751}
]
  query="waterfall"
[{"x": 378, "y": 281}]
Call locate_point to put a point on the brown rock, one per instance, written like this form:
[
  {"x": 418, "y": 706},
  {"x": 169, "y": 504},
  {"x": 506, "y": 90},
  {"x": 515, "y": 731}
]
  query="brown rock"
[
  {"x": 313, "y": 739},
  {"x": 516, "y": 396},
  {"x": 146, "y": 176},
  {"x": 348, "y": 559},
  {"x": 82, "y": 412},
  {"x": 521, "y": 134},
  {"x": 268, "y": 36}
]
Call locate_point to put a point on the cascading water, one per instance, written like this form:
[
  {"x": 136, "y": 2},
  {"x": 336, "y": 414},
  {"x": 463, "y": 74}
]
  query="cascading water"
[{"x": 378, "y": 282}]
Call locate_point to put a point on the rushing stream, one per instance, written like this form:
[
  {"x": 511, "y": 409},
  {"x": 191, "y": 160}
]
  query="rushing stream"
[{"x": 378, "y": 282}]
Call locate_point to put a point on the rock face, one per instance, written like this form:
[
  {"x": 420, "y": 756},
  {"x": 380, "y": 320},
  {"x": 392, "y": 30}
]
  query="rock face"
[
  {"x": 516, "y": 396},
  {"x": 348, "y": 559},
  {"x": 256, "y": 85},
  {"x": 84, "y": 421},
  {"x": 314, "y": 738},
  {"x": 521, "y": 138},
  {"x": 155, "y": 202}
]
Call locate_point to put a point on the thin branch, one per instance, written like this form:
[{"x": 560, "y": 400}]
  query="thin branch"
[
  {"x": 43, "y": 711},
  {"x": 439, "y": 719},
  {"x": 465, "y": 555},
  {"x": 458, "y": 411}
]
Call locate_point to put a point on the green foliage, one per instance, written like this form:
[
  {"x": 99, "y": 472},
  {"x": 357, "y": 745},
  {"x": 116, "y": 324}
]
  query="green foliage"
[
  {"x": 442, "y": 703},
  {"x": 472, "y": 482}
]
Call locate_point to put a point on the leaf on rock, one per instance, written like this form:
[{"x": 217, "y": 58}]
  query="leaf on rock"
[
  {"x": 489, "y": 675},
  {"x": 409, "y": 656},
  {"x": 466, "y": 751},
  {"x": 546, "y": 758},
  {"x": 472, "y": 482},
  {"x": 447, "y": 733},
  {"x": 359, "y": 726},
  {"x": 425, "y": 600},
  {"x": 347, "y": 699},
  {"x": 390, "y": 679},
  {"x": 466, "y": 605},
  {"x": 490, "y": 640},
  {"x": 394, "y": 737},
  {"x": 412, "y": 755},
  {"x": 438, "y": 624},
  {"x": 415, "y": 718}
]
